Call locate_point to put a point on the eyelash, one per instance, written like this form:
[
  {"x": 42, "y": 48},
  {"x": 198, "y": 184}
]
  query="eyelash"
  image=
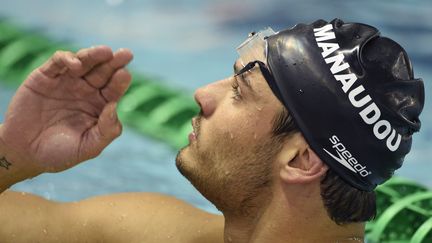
[{"x": 235, "y": 88}]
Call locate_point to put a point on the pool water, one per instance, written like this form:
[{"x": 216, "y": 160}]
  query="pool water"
[{"x": 187, "y": 44}]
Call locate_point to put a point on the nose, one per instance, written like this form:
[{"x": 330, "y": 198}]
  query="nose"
[
  {"x": 210, "y": 96},
  {"x": 205, "y": 100}
]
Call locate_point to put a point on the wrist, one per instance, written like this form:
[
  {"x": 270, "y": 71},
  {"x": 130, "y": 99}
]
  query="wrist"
[{"x": 11, "y": 171}]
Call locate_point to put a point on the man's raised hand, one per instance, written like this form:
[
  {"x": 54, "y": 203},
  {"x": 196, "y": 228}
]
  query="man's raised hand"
[{"x": 65, "y": 111}]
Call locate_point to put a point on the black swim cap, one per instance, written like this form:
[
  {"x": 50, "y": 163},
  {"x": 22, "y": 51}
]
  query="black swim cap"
[{"x": 352, "y": 94}]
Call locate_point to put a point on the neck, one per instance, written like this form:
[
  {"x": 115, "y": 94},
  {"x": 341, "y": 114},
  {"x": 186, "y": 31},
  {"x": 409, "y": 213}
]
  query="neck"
[{"x": 297, "y": 216}]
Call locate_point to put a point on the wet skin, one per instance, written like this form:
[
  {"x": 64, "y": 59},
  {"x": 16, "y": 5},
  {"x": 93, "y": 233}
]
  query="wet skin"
[{"x": 64, "y": 114}]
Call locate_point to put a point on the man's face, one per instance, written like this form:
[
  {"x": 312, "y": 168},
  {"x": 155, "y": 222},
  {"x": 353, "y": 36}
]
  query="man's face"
[{"x": 230, "y": 159}]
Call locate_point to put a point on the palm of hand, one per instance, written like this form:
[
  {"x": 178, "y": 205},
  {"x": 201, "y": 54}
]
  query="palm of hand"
[{"x": 63, "y": 115}]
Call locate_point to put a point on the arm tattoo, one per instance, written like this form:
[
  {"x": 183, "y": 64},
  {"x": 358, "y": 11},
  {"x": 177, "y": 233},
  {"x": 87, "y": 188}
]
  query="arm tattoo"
[{"x": 4, "y": 163}]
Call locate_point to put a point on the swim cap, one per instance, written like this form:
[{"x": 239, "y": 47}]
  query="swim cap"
[{"x": 352, "y": 94}]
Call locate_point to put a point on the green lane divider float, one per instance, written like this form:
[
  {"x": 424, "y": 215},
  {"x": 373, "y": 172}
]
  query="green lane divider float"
[
  {"x": 148, "y": 107},
  {"x": 404, "y": 208},
  {"x": 404, "y": 212},
  {"x": 158, "y": 112}
]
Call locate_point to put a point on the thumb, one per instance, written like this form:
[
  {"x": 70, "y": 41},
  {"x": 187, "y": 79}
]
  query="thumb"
[
  {"x": 109, "y": 126},
  {"x": 103, "y": 133}
]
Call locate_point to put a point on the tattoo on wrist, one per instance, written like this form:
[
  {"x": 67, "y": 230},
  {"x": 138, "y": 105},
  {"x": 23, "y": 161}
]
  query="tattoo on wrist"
[{"x": 4, "y": 163}]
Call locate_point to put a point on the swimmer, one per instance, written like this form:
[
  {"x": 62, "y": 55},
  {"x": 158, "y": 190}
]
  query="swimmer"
[{"x": 289, "y": 148}]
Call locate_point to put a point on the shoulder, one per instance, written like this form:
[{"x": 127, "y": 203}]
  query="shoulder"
[{"x": 147, "y": 217}]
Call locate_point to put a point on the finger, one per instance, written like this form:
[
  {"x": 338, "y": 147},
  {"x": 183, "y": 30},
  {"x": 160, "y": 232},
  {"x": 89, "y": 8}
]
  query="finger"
[
  {"x": 91, "y": 57},
  {"x": 117, "y": 86},
  {"x": 59, "y": 63},
  {"x": 103, "y": 133},
  {"x": 99, "y": 76}
]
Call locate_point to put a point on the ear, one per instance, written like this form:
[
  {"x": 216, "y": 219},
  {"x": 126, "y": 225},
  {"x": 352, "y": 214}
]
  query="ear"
[{"x": 304, "y": 167}]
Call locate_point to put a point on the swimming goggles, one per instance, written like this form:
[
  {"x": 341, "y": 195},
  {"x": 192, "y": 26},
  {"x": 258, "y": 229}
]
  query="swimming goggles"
[{"x": 253, "y": 51}]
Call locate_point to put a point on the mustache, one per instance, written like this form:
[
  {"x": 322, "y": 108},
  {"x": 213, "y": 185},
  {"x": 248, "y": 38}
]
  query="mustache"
[{"x": 197, "y": 124}]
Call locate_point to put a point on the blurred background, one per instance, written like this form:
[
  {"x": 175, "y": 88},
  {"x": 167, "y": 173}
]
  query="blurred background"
[{"x": 185, "y": 44}]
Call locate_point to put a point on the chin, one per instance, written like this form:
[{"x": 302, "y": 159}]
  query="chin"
[
  {"x": 184, "y": 162},
  {"x": 187, "y": 165}
]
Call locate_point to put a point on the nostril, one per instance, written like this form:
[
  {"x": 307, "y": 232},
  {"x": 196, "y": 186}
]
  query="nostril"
[
  {"x": 197, "y": 98},
  {"x": 205, "y": 101}
]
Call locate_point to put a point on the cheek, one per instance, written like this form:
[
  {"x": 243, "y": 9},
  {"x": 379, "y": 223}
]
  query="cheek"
[
  {"x": 256, "y": 126},
  {"x": 238, "y": 127}
]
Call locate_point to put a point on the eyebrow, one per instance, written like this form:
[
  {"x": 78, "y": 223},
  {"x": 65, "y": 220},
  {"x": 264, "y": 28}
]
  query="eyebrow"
[{"x": 242, "y": 79}]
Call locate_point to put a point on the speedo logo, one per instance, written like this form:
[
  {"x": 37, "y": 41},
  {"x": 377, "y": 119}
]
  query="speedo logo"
[
  {"x": 344, "y": 157},
  {"x": 370, "y": 113}
]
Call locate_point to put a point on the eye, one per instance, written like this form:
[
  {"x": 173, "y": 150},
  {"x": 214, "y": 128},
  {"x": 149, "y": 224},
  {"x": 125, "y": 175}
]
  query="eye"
[{"x": 236, "y": 90}]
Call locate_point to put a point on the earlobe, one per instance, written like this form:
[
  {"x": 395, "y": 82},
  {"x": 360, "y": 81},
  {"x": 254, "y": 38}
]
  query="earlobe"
[{"x": 305, "y": 167}]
